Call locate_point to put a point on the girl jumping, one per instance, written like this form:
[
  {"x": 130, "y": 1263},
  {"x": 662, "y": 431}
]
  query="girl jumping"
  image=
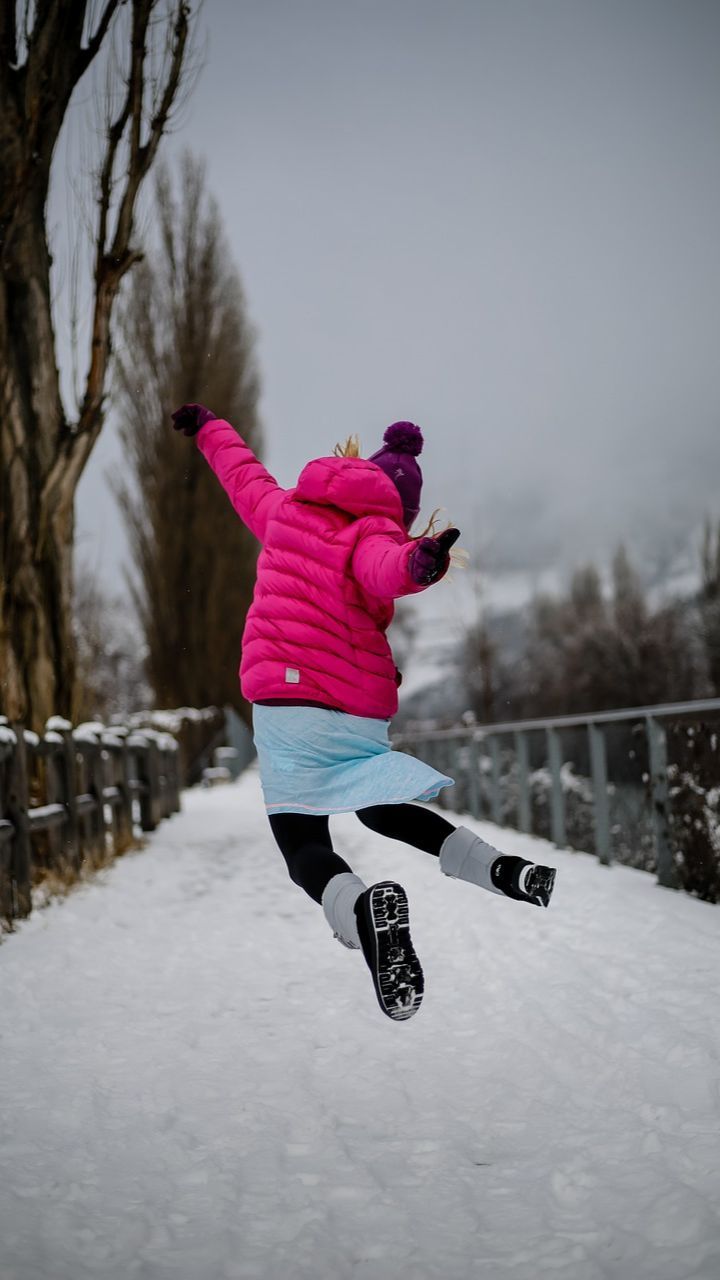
[{"x": 318, "y": 669}]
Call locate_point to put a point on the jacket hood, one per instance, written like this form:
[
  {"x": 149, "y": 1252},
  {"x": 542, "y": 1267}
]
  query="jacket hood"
[{"x": 354, "y": 485}]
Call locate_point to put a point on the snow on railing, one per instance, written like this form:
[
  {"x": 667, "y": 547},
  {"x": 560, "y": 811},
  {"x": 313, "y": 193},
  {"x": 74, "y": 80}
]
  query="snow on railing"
[{"x": 73, "y": 798}]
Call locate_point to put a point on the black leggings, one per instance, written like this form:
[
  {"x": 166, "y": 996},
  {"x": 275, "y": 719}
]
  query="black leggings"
[{"x": 305, "y": 843}]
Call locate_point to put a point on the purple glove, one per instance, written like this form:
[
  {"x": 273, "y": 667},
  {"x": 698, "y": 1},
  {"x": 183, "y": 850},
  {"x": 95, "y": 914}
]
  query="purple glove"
[
  {"x": 431, "y": 557},
  {"x": 191, "y": 417}
]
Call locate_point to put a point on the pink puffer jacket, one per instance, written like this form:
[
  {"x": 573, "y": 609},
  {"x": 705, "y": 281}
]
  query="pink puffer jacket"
[{"x": 335, "y": 555}]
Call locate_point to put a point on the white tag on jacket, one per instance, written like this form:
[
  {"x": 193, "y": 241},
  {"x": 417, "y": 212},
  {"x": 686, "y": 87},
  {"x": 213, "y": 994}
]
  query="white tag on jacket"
[{"x": 292, "y": 676}]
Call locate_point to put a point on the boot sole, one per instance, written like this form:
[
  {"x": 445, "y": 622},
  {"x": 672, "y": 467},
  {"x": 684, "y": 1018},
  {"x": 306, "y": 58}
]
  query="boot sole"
[
  {"x": 396, "y": 971},
  {"x": 539, "y": 885}
]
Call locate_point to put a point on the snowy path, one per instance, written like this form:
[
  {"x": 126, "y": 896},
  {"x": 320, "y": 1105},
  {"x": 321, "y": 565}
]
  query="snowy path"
[{"x": 196, "y": 1082}]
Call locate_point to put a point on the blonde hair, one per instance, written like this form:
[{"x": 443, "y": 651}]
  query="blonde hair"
[
  {"x": 458, "y": 557},
  {"x": 431, "y": 529},
  {"x": 350, "y": 449}
]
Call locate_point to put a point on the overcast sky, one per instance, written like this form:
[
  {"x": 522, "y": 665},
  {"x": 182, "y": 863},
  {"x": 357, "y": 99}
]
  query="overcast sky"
[{"x": 498, "y": 218}]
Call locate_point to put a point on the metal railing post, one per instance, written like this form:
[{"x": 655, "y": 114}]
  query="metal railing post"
[
  {"x": 473, "y": 775},
  {"x": 524, "y": 809},
  {"x": 495, "y": 796},
  {"x": 557, "y": 798},
  {"x": 598, "y": 765},
  {"x": 454, "y": 749},
  {"x": 436, "y": 749},
  {"x": 449, "y": 758},
  {"x": 657, "y": 752}
]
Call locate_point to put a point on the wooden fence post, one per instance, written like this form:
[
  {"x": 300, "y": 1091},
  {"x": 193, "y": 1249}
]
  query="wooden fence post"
[
  {"x": 54, "y": 794},
  {"x": 87, "y": 741},
  {"x": 7, "y": 831},
  {"x": 16, "y": 807},
  {"x": 97, "y": 786},
  {"x": 165, "y": 767},
  {"x": 155, "y": 779},
  {"x": 146, "y": 777},
  {"x": 175, "y": 775},
  {"x": 124, "y": 781},
  {"x": 73, "y": 841}
]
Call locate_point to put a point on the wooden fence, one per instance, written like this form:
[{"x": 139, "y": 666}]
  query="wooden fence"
[{"x": 72, "y": 798}]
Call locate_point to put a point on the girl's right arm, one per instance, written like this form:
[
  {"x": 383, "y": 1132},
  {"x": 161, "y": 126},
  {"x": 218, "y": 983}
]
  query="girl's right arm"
[
  {"x": 253, "y": 492},
  {"x": 389, "y": 566}
]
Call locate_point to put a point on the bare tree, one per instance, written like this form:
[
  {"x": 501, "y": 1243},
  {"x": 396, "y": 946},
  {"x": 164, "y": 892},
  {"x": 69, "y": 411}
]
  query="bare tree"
[
  {"x": 481, "y": 661},
  {"x": 109, "y": 654},
  {"x": 184, "y": 336},
  {"x": 585, "y": 653},
  {"x": 479, "y": 664},
  {"x": 46, "y": 47}
]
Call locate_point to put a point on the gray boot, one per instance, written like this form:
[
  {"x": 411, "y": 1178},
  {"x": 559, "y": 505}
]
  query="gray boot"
[
  {"x": 338, "y": 903},
  {"x": 464, "y": 856}
]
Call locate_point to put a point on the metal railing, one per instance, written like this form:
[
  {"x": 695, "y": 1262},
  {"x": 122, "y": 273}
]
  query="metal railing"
[{"x": 473, "y": 752}]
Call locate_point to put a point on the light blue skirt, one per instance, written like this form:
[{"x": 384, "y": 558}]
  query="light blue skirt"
[{"x": 317, "y": 761}]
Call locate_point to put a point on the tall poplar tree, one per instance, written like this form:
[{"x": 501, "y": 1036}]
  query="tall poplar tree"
[{"x": 184, "y": 336}]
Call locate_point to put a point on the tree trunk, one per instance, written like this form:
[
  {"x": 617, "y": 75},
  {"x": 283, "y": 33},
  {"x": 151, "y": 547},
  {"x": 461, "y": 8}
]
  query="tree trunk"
[
  {"x": 41, "y": 457},
  {"x": 36, "y": 650}
]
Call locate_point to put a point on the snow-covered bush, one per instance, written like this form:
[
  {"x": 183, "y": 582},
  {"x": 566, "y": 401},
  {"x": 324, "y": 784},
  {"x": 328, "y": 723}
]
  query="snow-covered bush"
[
  {"x": 694, "y": 777},
  {"x": 695, "y": 828}
]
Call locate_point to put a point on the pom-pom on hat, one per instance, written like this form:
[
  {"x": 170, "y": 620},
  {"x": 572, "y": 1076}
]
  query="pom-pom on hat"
[{"x": 403, "y": 443}]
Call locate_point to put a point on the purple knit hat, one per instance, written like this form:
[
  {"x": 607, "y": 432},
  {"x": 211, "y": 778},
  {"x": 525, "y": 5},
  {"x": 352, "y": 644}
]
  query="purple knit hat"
[{"x": 403, "y": 442}]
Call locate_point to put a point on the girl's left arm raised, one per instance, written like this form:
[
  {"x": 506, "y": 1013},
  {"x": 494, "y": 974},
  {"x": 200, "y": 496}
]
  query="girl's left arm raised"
[{"x": 254, "y": 493}]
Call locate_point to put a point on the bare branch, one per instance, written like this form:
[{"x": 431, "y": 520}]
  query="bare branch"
[
  {"x": 142, "y": 155},
  {"x": 114, "y": 260},
  {"x": 131, "y": 106},
  {"x": 93, "y": 47}
]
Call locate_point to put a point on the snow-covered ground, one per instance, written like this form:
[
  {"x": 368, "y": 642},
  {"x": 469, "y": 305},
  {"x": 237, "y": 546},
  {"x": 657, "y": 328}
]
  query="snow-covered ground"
[{"x": 196, "y": 1082}]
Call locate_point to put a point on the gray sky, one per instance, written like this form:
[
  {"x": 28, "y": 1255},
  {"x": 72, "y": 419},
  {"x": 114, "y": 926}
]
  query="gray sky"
[{"x": 499, "y": 219}]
